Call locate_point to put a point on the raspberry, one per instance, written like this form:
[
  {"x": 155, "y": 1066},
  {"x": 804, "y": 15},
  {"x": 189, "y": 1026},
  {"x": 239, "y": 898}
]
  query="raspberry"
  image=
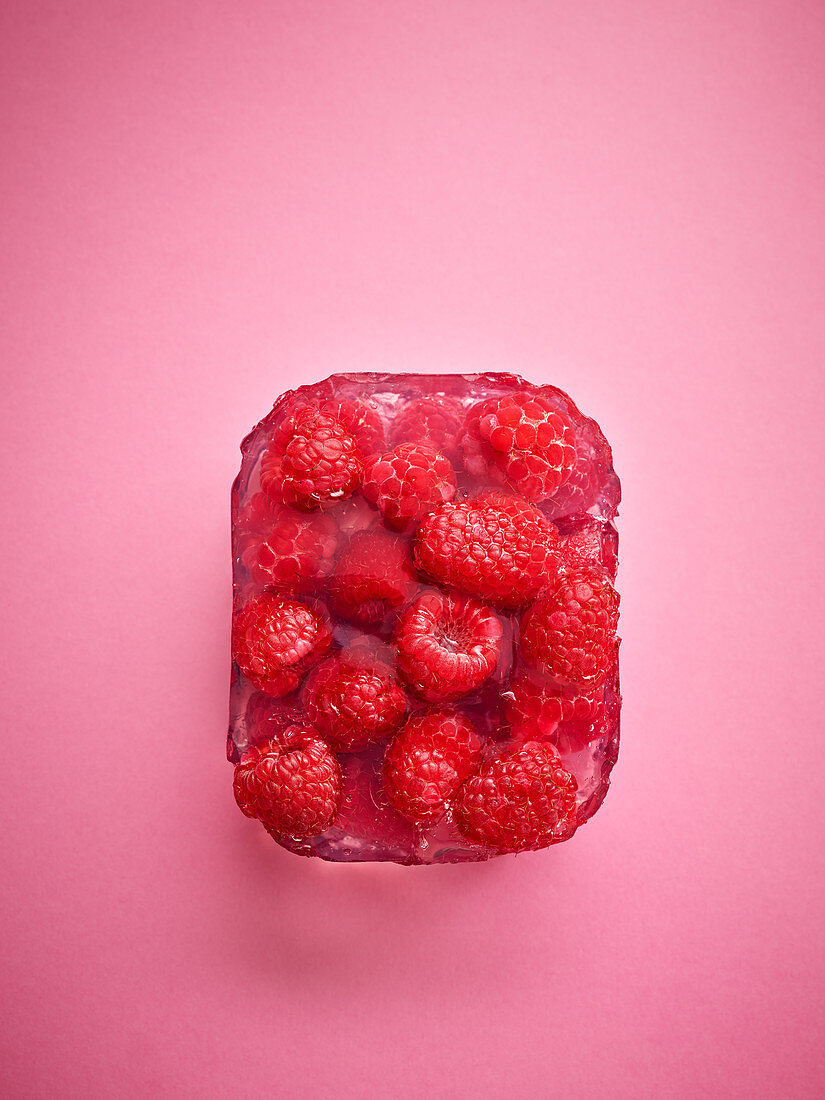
[
  {"x": 276, "y": 641},
  {"x": 428, "y": 761},
  {"x": 407, "y": 483},
  {"x": 365, "y": 809},
  {"x": 353, "y": 699},
  {"x": 581, "y": 545},
  {"x": 311, "y": 460},
  {"x": 534, "y": 707},
  {"x": 590, "y": 477},
  {"x": 579, "y": 491},
  {"x": 266, "y": 718},
  {"x": 447, "y": 645},
  {"x": 361, "y": 421},
  {"x": 284, "y": 549},
  {"x": 373, "y": 577},
  {"x": 354, "y": 516},
  {"x": 587, "y": 542},
  {"x": 253, "y": 522},
  {"x": 495, "y": 547},
  {"x": 569, "y": 632},
  {"x": 292, "y": 783},
  {"x": 521, "y": 799},
  {"x": 519, "y": 440},
  {"x": 435, "y": 422}
]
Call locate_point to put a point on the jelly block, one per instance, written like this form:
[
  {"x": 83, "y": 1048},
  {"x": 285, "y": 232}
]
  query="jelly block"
[{"x": 425, "y": 659}]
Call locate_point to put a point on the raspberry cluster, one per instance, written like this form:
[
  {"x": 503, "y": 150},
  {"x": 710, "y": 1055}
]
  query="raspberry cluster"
[{"x": 424, "y": 637}]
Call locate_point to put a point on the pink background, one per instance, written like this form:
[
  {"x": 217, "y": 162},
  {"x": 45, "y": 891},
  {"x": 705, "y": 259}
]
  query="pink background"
[{"x": 206, "y": 203}]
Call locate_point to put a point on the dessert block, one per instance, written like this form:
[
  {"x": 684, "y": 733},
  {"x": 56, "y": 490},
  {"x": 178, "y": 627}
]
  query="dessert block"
[{"x": 424, "y": 647}]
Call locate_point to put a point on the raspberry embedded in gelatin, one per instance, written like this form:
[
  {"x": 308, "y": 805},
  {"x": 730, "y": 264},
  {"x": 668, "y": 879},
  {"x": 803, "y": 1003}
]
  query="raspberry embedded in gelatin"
[
  {"x": 494, "y": 547},
  {"x": 354, "y": 699},
  {"x": 428, "y": 761},
  {"x": 425, "y": 659}
]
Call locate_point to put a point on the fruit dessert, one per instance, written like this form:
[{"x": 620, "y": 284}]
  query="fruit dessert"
[{"x": 424, "y": 648}]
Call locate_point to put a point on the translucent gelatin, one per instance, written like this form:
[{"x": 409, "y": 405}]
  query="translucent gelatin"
[{"x": 425, "y": 659}]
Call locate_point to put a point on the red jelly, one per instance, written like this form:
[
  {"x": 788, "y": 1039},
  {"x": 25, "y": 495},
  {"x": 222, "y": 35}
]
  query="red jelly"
[{"x": 425, "y": 658}]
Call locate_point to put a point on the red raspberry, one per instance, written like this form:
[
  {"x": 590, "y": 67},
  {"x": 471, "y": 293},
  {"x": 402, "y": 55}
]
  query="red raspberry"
[
  {"x": 435, "y": 422},
  {"x": 579, "y": 492},
  {"x": 520, "y": 440},
  {"x": 276, "y": 641},
  {"x": 570, "y": 631},
  {"x": 311, "y": 460},
  {"x": 366, "y": 813},
  {"x": 284, "y": 549},
  {"x": 591, "y": 478},
  {"x": 447, "y": 645},
  {"x": 353, "y": 699},
  {"x": 428, "y": 761},
  {"x": 407, "y": 483},
  {"x": 291, "y": 783},
  {"x": 361, "y": 421},
  {"x": 254, "y": 520},
  {"x": 354, "y": 516},
  {"x": 582, "y": 543},
  {"x": 522, "y": 799},
  {"x": 534, "y": 707},
  {"x": 495, "y": 547},
  {"x": 572, "y": 737},
  {"x": 373, "y": 577},
  {"x": 266, "y": 718}
]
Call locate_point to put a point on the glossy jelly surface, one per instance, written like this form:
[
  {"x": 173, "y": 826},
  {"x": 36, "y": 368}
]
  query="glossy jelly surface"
[{"x": 425, "y": 659}]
